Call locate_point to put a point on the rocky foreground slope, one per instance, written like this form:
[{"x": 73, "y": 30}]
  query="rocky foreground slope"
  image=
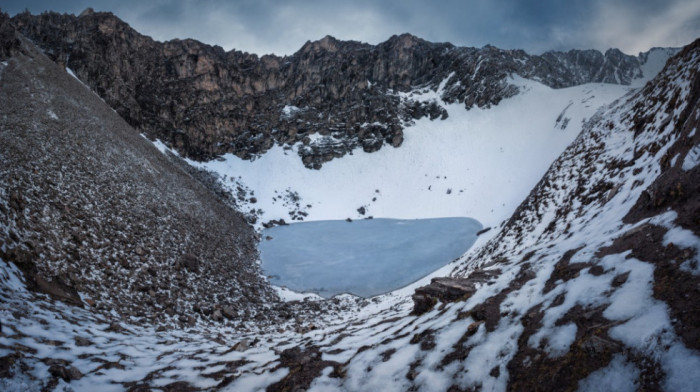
[
  {"x": 90, "y": 206},
  {"x": 593, "y": 284},
  {"x": 205, "y": 102}
]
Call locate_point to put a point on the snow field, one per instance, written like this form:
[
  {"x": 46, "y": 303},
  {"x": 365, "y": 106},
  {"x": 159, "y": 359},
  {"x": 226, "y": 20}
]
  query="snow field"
[{"x": 479, "y": 163}]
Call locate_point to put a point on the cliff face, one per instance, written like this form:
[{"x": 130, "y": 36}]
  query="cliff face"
[{"x": 206, "y": 102}]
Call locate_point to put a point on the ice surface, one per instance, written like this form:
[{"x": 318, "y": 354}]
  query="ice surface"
[{"x": 366, "y": 257}]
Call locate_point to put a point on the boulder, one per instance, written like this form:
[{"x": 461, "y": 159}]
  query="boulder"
[
  {"x": 228, "y": 312},
  {"x": 447, "y": 289},
  {"x": 65, "y": 372},
  {"x": 189, "y": 262}
]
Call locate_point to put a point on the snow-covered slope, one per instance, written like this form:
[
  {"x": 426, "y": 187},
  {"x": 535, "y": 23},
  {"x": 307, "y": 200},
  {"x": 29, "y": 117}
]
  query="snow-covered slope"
[
  {"x": 479, "y": 163},
  {"x": 597, "y": 272}
]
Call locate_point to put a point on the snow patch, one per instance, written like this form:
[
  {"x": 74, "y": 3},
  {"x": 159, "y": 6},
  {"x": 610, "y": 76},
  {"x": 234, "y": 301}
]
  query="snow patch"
[
  {"x": 71, "y": 73},
  {"x": 685, "y": 239},
  {"x": 619, "y": 376},
  {"x": 288, "y": 295},
  {"x": 162, "y": 147},
  {"x": 692, "y": 159},
  {"x": 289, "y": 110}
]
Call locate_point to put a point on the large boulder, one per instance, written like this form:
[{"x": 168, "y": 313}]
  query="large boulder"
[{"x": 447, "y": 289}]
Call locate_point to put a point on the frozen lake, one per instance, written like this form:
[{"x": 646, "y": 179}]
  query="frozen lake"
[{"x": 365, "y": 257}]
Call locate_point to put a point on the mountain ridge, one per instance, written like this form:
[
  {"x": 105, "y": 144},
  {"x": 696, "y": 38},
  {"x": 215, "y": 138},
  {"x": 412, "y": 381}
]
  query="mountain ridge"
[{"x": 205, "y": 102}]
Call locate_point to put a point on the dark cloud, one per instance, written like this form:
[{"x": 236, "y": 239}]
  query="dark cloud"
[{"x": 282, "y": 27}]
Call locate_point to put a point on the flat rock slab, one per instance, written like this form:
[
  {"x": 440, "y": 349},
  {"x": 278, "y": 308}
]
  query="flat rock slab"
[{"x": 448, "y": 289}]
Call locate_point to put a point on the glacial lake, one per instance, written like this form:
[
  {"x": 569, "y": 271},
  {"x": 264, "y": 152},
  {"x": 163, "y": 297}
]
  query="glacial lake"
[{"x": 363, "y": 257}]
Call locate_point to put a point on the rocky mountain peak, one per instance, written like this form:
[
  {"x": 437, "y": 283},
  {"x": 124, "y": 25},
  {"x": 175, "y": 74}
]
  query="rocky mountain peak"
[
  {"x": 404, "y": 41},
  {"x": 87, "y": 12},
  {"x": 327, "y": 43}
]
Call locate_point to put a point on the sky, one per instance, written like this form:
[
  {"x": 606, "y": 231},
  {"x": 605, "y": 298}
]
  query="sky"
[{"x": 282, "y": 27}]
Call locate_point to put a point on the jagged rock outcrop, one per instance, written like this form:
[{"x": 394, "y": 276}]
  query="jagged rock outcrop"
[{"x": 205, "y": 102}]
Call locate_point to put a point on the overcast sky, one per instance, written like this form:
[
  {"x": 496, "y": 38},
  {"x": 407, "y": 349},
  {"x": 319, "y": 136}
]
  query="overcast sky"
[{"x": 282, "y": 27}]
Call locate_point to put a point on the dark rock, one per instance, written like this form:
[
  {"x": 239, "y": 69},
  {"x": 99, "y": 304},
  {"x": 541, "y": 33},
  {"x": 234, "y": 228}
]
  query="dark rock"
[
  {"x": 114, "y": 327},
  {"x": 361, "y": 210},
  {"x": 189, "y": 262},
  {"x": 67, "y": 373},
  {"x": 180, "y": 386},
  {"x": 82, "y": 342},
  {"x": 228, "y": 312},
  {"x": 305, "y": 365},
  {"x": 482, "y": 231},
  {"x": 597, "y": 345},
  {"x": 58, "y": 290},
  {"x": 444, "y": 290},
  {"x": 6, "y": 364},
  {"x": 620, "y": 279}
]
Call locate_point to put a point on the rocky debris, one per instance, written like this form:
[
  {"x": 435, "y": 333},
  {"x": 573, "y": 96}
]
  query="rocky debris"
[
  {"x": 61, "y": 369},
  {"x": 592, "y": 350},
  {"x": 274, "y": 222},
  {"x": 304, "y": 366},
  {"x": 679, "y": 289},
  {"x": 82, "y": 342},
  {"x": 564, "y": 270},
  {"x": 180, "y": 386},
  {"x": 6, "y": 364},
  {"x": 448, "y": 289},
  {"x": 228, "y": 312},
  {"x": 90, "y": 206},
  {"x": 190, "y": 262},
  {"x": 205, "y": 102}
]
